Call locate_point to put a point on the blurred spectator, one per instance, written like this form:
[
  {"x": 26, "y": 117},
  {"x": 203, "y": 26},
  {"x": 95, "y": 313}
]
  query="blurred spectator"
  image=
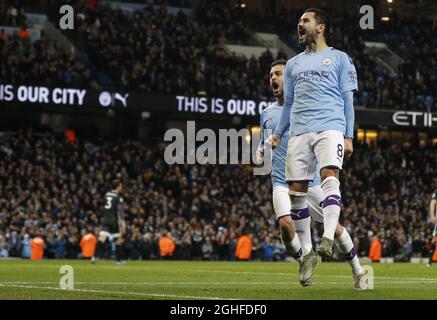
[
  {"x": 24, "y": 34},
  {"x": 70, "y": 135},
  {"x": 25, "y": 247},
  {"x": 257, "y": 250},
  {"x": 4, "y": 253},
  {"x": 150, "y": 247},
  {"x": 14, "y": 244},
  {"x": 37, "y": 246},
  {"x": 197, "y": 240},
  {"x": 207, "y": 249},
  {"x": 244, "y": 247},
  {"x": 375, "y": 252},
  {"x": 186, "y": 247},
  {"x": 59, "y": 247},
  {"x": 166, "y": 246},
  {"x": 279, "y": 251},
  {"x": 222, "y": 243},
  {"x": 88, "y": 244},
  {"x": 3, "y": 37},
  {"x": 73, "y": 247},
  {"x": 268, "y": 249},
  {"x": 136, "y": 247}
]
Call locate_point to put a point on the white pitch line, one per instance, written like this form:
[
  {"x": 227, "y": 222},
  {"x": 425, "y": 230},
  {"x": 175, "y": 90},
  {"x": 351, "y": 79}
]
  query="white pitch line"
[
  {"x": 120, "y": 292},
  {"x": 204, "y": 283},
  {"x": 162, "y": 283},
  {"x": 258, "y": 273},
  {"x": 324, "y": 275},
  {"x": 432, "y": 280}
]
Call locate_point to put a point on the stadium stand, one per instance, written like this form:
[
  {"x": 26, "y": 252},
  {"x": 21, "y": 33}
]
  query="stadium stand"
[
  {"x": 39, "y": 63},
  {"x": 11, "y": 15},
  {"x": 54, "y": 187},
  {"x": 147, "y": 51}
]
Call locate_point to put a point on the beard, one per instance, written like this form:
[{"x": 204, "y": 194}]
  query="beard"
[{"x": 306, "y": 37}]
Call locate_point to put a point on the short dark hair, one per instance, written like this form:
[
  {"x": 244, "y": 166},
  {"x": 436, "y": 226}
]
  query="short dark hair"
[
  {"x": 322, "y": 17},
  {"x": 278, "y": 62},
  {"x": 116, "y": 183},
  {"x": 275, "y": 63}
]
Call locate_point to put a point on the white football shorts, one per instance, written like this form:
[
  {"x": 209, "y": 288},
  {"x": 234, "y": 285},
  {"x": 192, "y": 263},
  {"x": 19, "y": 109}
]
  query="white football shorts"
[{"x": 306, "y": 150}]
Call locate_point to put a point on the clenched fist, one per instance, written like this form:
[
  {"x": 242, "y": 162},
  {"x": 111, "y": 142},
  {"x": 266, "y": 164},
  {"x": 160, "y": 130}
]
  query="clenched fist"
[{"x": 273, "y": 141}]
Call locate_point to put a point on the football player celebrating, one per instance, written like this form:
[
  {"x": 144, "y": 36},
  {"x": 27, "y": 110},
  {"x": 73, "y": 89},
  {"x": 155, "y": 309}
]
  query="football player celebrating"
[
  {"x": 318, "y": 108},
  {"x": 295, "y": 223}
]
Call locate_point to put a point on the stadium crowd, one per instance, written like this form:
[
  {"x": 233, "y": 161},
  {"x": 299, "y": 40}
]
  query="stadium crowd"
[
  {"x": 11, "y": 14},
  {"x": 53, "y": 187},
  {"x": 412, "y": 85},
  {"x": 39, "y": 63},
  {"x": 149, "y": 49}
]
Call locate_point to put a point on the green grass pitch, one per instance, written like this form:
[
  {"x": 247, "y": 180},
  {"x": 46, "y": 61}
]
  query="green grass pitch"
[{"x": 183, "y": 280}]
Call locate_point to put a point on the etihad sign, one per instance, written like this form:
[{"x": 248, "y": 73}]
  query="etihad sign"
[{"x": 414, "y": 118}]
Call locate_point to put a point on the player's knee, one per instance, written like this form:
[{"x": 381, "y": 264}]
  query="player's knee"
[
  {"x": 284, "y": 221},
  {"x": 298, "y": 199},
  {"x": 329, "y": 172},
  {"x": 301, "y": 186},
  {"x": 286, "y": 225},
  {"x": 331, "y": 185}
]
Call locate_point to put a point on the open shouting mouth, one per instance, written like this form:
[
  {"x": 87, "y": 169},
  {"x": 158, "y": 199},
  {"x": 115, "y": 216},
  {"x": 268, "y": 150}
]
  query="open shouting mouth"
[
  {"x": 276, "y": 88},
  {"x": 301, "y": 33}
]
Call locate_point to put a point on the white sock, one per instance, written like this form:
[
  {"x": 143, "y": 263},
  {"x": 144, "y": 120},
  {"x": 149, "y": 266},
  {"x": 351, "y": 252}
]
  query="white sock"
[
  {"x": 294, "y": 248},
  {"x": 301, "y": 219},
  {"x": 346, "y": 247},
  {"x": 331, "y": 206},
  {"x": 303, "y": 230},
  {"x": 330, "y": 221}
]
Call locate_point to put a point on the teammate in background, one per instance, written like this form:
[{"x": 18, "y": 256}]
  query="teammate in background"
[
  {"x": 318, "y": 109},
  {"x": 295, "y": 225},
  {"x": 113, "y": 224},
  {"x": 298, "y": 221},
  {"x": 433, "y": 212}
]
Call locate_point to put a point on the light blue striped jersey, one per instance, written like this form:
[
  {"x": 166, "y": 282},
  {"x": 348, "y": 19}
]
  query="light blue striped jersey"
[{"x": 313, "y": 86}]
